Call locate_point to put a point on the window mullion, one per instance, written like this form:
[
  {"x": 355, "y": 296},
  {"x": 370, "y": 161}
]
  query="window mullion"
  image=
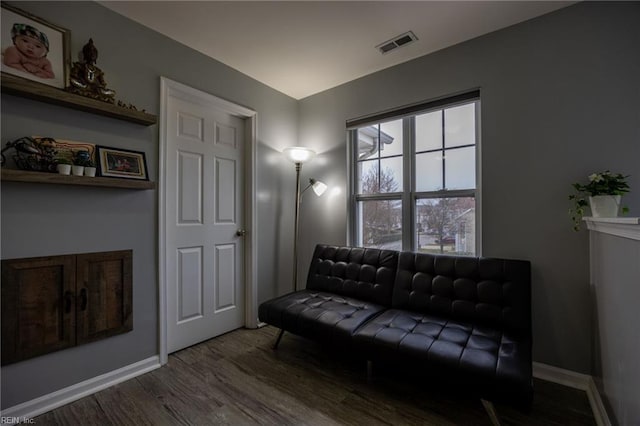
[
  {"x": 478, "y": 191},
  {"x": 456, "y": 193},
  {"x": 408, "y": 225},
  {"x": 379, "y": 197},
  {"x": 444, "y": 165},
  {"x": 352, "y": 172},
  {"x": 379, "y": 142}
]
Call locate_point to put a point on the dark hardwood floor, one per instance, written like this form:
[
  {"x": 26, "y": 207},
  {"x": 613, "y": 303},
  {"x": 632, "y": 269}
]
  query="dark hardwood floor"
[{"x": 237, "y": 379}]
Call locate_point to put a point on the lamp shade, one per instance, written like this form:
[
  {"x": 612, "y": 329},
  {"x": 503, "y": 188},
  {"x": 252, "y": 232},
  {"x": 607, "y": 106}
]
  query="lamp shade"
[
  {"x": 299, "y": 154},
  {"x": 318, "y": 187}
]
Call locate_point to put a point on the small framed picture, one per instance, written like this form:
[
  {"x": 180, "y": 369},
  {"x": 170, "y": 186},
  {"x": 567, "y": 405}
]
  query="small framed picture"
[
  {"x": 34, "y": 49},
  {"x": 121, "y": 163}
]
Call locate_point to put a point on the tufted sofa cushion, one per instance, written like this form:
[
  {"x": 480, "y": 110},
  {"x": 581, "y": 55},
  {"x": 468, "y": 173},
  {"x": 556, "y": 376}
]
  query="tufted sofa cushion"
[
  {"x": 484, "y": 291},
  {"x": 345, "y": 287},
  {"x": 314, "y": 314},
  {"x": 365, "y": 274},
  {"x": 496, "y": 363}
]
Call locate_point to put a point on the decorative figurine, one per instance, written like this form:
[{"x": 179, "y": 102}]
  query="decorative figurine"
[
  {"x": 129, "y": 106},
  {"x": 82, "y": 158},
  {"x": 87, "y": 79},
  {"x": 36, "y": 154},
  {"x": 124, "y": 105}
]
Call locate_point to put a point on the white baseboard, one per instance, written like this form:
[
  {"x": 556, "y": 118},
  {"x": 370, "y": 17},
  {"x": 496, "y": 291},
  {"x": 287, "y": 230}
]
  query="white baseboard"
[
  {"x": 35, "y": 407},
  {"x": 597, "y": 406},
  {"x": 575, "y": 380},
  {"x": 561, "y": 376},
  {"x": 28, "y": 410}
]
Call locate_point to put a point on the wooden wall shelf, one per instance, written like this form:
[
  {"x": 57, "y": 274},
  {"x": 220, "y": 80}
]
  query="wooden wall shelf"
[
  {"x": 10, "y": 175},
  {"x": 41, "y": 92}
]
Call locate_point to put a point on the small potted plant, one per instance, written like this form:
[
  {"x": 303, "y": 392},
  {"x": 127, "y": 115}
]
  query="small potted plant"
[
  {"x": 63, "y": 165},
  {"x": 89, "y": 168},
  {"x": 80, "y": 160},
  {"x": 77, "y": 168},
  {"x": 602, "y": 194}
]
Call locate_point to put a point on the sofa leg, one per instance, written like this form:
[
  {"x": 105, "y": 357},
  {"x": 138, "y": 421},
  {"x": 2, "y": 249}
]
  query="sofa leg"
[
  {"x": 369, "y": 371},
  {"x": 275, "y": 345},
  {"x": 491, "y": 411}
]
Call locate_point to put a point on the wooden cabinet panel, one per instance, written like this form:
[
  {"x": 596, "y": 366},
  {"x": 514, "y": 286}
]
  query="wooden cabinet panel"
[
  {"x": 104, "y": 287},
  {"x": 38, "y": 306},
  {"x": 56, "y": 302}
]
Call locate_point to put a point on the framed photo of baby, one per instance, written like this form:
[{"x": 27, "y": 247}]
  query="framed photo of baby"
[{"x": 33, "y": 48}]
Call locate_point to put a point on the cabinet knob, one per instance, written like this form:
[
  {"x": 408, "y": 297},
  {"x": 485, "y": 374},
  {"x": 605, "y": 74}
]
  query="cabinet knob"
[{"x": 84, "y": 299}]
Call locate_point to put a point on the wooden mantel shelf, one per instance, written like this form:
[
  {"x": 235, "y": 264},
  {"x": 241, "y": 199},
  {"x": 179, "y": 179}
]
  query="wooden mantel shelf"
[
  {"x": 10, "y": 175},
  {"x": 41, "y": 92},
  {"x": 626, "y": 227}
]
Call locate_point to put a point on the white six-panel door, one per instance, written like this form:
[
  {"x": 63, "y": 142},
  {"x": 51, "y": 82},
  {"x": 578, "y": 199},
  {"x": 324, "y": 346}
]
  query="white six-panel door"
[{"x": 204, "y": 220}]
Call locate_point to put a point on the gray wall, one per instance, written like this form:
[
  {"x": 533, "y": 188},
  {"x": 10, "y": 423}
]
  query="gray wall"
[
  {"x": 49, "y": 220},
  {"x": 560, "y": 99}
]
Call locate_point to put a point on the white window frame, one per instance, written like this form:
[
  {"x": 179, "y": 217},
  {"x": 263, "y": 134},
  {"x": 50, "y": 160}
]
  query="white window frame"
[{"x": 409, "y": 196}]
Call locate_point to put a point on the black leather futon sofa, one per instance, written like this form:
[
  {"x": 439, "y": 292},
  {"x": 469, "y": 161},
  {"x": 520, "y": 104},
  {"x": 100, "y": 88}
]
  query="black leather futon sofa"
[{"x": 466, "y": 320}]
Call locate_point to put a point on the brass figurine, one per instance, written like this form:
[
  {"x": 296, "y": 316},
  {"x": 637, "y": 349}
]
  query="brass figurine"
[
  {"x": 129, "y": 106},
  {"x": 87, "y": 79}
]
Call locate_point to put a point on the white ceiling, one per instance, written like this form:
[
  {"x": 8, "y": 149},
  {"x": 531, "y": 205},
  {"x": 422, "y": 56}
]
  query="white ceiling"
[{"x": 304, "y": 47}]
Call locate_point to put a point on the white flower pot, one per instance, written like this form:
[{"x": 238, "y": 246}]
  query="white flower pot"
[
  {"x": 64, "y": 169},
  {"x": 77, "y": 170},
  {"x": 89, "y": 171},
  {"x": 605, "y": 205}
]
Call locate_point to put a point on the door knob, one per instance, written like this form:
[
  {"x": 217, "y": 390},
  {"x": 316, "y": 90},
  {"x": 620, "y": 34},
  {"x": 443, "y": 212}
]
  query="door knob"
[{"x": 241, "y": 232}]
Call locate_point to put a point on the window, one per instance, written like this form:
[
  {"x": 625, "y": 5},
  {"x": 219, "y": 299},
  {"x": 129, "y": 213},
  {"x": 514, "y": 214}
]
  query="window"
[{"x": 414, "y": 178}]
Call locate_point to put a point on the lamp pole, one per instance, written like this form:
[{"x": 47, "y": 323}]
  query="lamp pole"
[{"x": 295, "y": 232}]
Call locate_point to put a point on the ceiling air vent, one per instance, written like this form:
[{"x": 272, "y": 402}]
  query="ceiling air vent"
[{"x": 394, "y": 43}]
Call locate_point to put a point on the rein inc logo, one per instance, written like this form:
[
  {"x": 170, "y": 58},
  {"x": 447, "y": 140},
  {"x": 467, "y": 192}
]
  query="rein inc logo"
[{"x": 8, "y": 420}]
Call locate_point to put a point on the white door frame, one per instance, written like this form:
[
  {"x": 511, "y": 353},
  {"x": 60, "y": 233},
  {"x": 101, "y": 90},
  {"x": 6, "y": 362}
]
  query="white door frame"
[{"x": 173, "y": 88}]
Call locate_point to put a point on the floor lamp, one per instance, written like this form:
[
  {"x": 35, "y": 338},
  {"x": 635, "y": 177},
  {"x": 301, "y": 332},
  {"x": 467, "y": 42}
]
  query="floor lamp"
[{"x": 298, "y": 156}]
